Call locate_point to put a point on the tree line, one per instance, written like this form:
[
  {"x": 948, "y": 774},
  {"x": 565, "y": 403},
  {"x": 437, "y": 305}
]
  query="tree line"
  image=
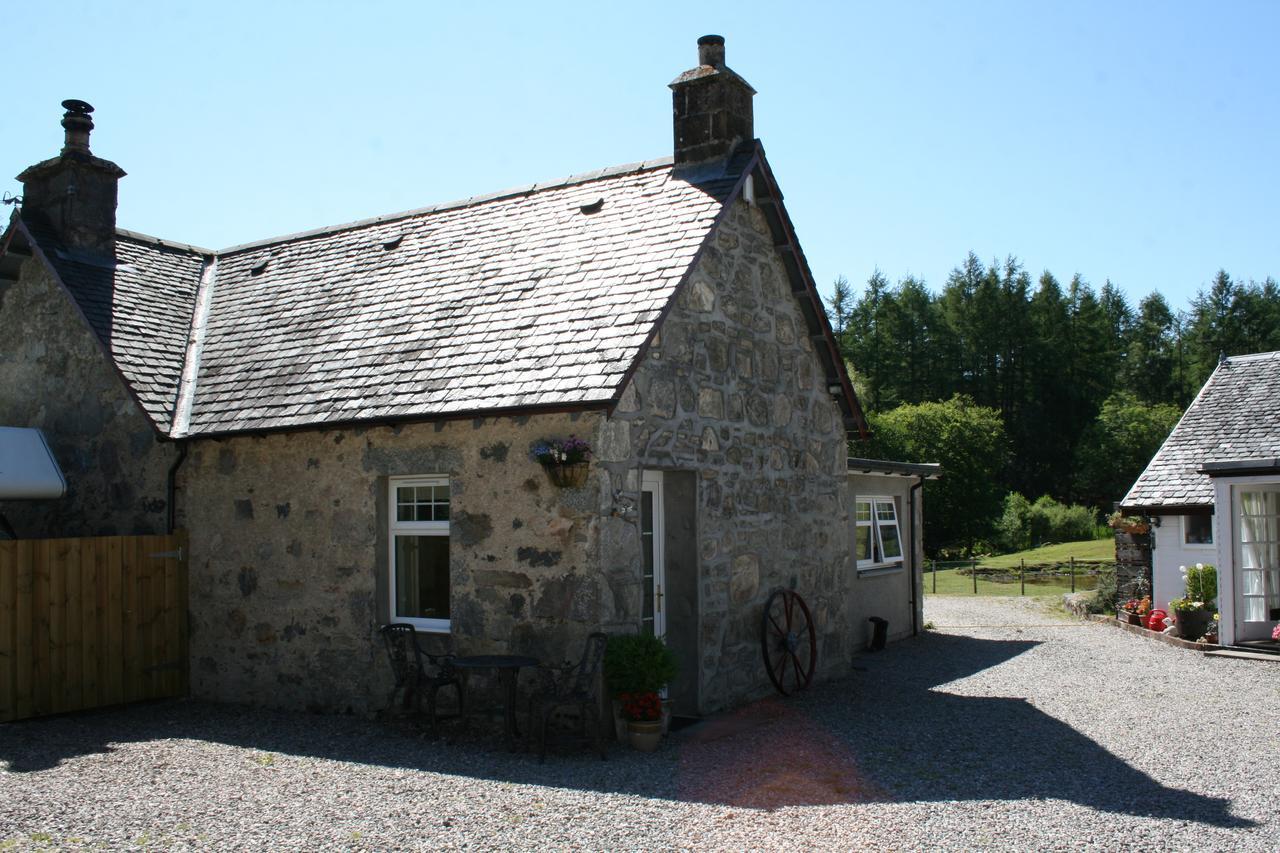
[{"x": 1031, "y": 387}]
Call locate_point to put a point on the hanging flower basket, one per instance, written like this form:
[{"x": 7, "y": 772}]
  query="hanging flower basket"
[
  {"x": 569, "y": 476},
  {"x": 565, "y": 460},
  {"x": 1134, "y": 525}
]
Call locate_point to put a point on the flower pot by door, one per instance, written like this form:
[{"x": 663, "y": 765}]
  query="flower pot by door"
[
  {"x": 1192, "y": 624},
  {"x": 645, "y": 734}
]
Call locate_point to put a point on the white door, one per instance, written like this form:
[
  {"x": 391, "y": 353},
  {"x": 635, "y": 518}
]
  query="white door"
[
  {"x": 1257, "y": 561},
  {"x": 654, "y": 611}
]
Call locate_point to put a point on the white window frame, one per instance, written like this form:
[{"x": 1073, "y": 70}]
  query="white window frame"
[
  {"x": 874, "y": 524},
  {"x": 413, "y": 528},
  {"x": 1204, "y": 546}
]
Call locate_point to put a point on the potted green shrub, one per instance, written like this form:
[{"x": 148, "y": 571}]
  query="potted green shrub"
[{"x": 636, "y": 664}]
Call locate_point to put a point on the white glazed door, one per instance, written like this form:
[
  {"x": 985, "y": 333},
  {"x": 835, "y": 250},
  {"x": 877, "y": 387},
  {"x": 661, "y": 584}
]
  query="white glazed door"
[
  {"x": 1257, "y": 559},
  {"x": 654, "y": 612}
]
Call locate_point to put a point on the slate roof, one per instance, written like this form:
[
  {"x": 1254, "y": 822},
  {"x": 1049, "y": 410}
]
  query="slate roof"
[
  {"x": 139, "y": 307},
  {"x": 542, "y": 297},
  {"x": 523, "y": 300},
  {"x": 1236, "y": 416}
]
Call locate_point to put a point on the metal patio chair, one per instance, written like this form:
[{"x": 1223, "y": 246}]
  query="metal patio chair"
[
  {"x": 418, "y": 675},
  {"x": 574, "y": 687}
]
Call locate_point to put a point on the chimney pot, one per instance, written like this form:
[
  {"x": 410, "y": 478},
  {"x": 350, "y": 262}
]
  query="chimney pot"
[
  {"x": 77, "y": 124},
  {"x": 711, "y": 51}
]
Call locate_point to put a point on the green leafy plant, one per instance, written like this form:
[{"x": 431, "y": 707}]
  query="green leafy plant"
[
  {"x": 1106, "y": 594},
  {"x": 1201, "y": 589},
  {"x": 638, "y": 663}
]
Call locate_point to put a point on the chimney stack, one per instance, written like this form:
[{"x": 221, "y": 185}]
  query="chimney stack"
[
  {"x": 711, "y": 107},
  {"x": 73, "y": 195}
]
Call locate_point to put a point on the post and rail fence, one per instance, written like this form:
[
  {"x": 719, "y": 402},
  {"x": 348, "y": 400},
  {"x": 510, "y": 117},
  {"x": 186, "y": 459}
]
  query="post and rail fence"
[
  {"x": 90, "y": 622},
  {"x": 1070, "y": 574}
]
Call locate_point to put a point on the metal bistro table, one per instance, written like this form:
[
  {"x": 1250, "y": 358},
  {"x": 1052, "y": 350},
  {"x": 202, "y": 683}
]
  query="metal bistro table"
[{"x": 508, "y": 668}]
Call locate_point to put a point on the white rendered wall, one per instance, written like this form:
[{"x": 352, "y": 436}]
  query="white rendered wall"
[{"x": 1169, "y": 555}]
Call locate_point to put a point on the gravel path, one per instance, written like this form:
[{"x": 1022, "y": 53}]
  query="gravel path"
[{"x": 1007, "y": 727}]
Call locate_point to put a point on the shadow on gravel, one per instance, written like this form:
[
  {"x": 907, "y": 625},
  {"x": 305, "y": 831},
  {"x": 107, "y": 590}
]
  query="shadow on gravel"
[
  {"x": 882, "y": 735},
  {"x": 919, "y": 743}
]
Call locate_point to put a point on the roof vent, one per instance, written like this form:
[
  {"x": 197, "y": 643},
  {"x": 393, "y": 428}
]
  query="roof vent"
[
  {"x": 593, "y": 207},
  {"x": 260, "y": 267},
  {"x": 393, "y": 242}
]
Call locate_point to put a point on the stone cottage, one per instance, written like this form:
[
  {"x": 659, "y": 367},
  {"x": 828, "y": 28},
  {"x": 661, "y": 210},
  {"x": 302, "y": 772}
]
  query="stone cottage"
[
  {"x": 1212, "y": 494},
  {"x": 342, "y": 419}
]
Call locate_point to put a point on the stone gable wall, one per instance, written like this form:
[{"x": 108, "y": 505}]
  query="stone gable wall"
[
  {"x": 733, "y": 389},
  {"x": 54, "y": 375},
  {"x": 288, "y": 538}
]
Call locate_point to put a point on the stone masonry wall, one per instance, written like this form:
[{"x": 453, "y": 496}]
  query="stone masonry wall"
[
  {"x": 733, "y": 389},
  {"x": 289, "y": 555},
  {"x": 55, "y": 376}
]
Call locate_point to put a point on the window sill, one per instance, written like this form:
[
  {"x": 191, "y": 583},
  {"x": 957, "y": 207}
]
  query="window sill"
[
  {"x": 884, "y": 569},
  {"x": 425, "y": 626}
]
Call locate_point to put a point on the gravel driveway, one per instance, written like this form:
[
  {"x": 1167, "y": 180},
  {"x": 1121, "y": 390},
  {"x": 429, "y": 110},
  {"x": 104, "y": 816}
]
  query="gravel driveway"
[{"x": 1007, "y": 727}]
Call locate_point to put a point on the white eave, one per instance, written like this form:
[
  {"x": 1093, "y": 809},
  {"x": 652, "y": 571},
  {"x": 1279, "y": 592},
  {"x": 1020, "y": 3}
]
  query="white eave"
[{"x": 27, "y": 467}]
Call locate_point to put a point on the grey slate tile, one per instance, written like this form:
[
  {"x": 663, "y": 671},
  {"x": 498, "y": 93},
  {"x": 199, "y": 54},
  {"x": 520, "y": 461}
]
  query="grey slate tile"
[{"x": 1236, "y": 415}]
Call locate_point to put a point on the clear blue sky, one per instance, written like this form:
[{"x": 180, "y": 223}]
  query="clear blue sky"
[{"x": 1131, "y": 141}]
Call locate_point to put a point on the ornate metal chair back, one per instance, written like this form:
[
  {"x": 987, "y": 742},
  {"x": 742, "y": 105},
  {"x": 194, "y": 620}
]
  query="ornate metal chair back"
[
  {"x": 587, "y": 675},
  {"x": 402, "y": 651}
]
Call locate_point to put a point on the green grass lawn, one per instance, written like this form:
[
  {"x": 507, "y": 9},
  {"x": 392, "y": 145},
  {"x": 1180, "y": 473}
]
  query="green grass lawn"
[
  {"x": 951, "y": 582},
  {"x": 1090, "y": 549}
]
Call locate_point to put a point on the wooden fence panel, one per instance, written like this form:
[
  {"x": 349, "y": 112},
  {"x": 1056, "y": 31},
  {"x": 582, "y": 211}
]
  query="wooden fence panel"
[{"x": 91, "y": 622}]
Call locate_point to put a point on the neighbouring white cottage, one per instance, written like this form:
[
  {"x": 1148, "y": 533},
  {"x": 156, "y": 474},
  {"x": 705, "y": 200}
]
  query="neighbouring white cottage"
[{"x": 1213, "y": 494}]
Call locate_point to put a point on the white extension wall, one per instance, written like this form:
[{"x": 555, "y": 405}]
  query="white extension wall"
[{"x": 1169, "y": 554}]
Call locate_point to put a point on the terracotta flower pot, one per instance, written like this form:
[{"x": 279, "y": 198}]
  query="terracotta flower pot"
[
  {"x": 569, "y": 476},
  {"x": 645, "y": 734}
]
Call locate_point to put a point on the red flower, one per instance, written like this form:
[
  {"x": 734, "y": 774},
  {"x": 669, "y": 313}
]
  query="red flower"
[{"x": 641, "y": 706}]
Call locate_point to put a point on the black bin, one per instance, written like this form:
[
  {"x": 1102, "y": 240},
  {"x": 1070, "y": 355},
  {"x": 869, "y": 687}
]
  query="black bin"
[{"x": 881, "y": 633}]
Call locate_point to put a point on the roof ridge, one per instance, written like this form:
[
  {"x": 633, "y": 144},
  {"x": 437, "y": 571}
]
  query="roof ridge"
[
  {"x": 160, "y": 241},
  {"x": 525, "y": 189},
  {"x": 1252, "y": 356}
]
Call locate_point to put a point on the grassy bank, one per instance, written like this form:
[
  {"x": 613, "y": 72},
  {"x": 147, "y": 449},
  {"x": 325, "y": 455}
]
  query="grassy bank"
[{"x": 1046, "y": 573}]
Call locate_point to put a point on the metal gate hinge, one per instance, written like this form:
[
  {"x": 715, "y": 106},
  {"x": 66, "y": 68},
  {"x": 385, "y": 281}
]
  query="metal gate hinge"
[{"x": 167, "y": 555}]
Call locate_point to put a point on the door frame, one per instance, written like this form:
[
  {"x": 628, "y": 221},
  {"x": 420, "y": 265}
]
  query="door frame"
[
  {"x": 1235, "y": 582},
  {"x": 652, "y": 481}
]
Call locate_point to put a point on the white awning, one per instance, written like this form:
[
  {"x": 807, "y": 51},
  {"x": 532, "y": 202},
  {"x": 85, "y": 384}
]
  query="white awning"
[{"x": 27, "y": 467}]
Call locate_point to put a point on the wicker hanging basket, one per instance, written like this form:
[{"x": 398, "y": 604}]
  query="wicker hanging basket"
[{"x": 572, "y": 476}]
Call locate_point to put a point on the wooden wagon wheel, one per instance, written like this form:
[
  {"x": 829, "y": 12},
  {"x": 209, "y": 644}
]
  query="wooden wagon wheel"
[{"x": 789, "y": 642}]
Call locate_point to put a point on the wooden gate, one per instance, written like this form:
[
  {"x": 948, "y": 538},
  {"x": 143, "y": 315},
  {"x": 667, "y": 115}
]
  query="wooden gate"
[{"x": 90, "y": 622}]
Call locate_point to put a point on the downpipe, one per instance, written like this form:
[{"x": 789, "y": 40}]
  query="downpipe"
[
  {"x": 171, "y": 486},
  {"x": 917, "y": 566}
]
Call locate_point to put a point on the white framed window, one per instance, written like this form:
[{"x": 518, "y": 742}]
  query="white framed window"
[
  {"x": 876, "y": 540},
  {"x": 419, "y": 551},
  {"x": 1197, "y": 531}
]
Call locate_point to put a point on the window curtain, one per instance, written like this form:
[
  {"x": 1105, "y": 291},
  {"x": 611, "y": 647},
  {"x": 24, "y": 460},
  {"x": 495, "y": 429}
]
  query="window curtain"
[{"x": 1260, "y": 555}]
